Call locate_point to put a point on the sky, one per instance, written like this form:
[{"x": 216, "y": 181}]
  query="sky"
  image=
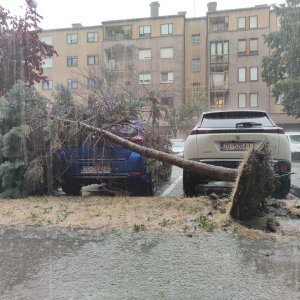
[{"x": 62, "y": 13}]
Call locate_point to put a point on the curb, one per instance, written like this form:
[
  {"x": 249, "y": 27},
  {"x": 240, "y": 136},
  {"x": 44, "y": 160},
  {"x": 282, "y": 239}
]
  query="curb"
[{"x": 295, "y": 191}]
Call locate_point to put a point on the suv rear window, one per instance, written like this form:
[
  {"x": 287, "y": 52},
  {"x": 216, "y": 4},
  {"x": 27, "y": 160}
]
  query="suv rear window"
[
  {"x": 126, "y": 129},
  {"x": 235, "y": 119}
]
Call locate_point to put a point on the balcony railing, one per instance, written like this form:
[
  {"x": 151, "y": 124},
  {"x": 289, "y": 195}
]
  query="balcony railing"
[
  {"x": 119, "y": 66},
  {"x": 219, "y": 59},
  {"x": 219, "y": 87}
]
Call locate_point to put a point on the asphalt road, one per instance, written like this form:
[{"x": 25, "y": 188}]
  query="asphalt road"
[{"x": 174, "y": 188}]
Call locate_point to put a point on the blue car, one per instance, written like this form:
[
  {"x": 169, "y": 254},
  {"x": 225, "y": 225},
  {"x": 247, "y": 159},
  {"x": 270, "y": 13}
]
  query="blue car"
[{"x": 108, "y": 164}]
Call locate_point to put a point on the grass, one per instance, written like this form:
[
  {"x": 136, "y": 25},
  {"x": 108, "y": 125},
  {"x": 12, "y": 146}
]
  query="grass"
[
  {"x": 205, "y": 223},
  {"x": 138, "y": 227},
  {"x": 165, "y": 223},
  {"x": 36, "y": 219},
  {"x": 135, "y": 214}
]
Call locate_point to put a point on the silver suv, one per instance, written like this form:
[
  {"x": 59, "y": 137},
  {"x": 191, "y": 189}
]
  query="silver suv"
[{"x": 221, "y": 138}]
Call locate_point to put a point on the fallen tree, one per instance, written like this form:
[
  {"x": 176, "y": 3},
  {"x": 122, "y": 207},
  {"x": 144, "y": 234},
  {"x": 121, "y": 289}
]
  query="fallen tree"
[
  {"x": 221, "y": 173},
  {"x": 254, "y": 180}
]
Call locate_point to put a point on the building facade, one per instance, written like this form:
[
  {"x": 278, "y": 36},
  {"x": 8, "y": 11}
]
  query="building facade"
[{"x": 216, "y": 58}]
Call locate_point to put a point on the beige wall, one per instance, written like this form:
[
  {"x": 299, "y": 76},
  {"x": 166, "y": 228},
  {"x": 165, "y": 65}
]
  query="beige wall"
[
  {"x": 233, "y": 35},
  {"x": 60, "y": 72},
  {"x": 195, "y": 26}
]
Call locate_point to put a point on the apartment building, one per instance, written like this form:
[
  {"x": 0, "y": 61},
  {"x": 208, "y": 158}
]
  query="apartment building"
[{"x": 216, "y": 57}]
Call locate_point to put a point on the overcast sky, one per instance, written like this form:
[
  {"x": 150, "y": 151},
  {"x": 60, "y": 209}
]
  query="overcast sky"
[{"x": 62, "y": 13}]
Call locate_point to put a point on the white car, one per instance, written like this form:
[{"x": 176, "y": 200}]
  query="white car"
[
  {"x": 294, "y": 139},
  {"x": 221, "y": 138}
]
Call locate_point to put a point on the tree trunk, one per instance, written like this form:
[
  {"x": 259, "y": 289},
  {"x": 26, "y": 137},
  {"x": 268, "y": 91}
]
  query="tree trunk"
[{"x": 221, "y": 173}]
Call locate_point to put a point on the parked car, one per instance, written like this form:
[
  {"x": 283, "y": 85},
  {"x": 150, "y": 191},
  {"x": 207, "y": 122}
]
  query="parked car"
[
  {"x": 294, "y": 139},
  {"x": 108, "y": 164},
  {"x": 221, "y": 138},
  {"x": 177, "y": 146}
]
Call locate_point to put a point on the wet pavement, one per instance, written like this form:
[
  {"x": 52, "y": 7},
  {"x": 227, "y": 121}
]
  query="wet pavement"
[
  {"x": 40, "y": 263},
  {"x": 174, "y": 188}
]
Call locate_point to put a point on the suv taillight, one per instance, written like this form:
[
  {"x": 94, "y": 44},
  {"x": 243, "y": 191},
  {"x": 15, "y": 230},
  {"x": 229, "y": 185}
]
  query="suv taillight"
[
  {"x": 200, "y": 131},
  {"x": 274, "y": 130}
]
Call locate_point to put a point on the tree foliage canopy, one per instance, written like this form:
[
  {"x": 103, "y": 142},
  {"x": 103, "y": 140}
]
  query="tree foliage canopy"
[
  {"x": 183, "y": 116},
  {"x": 282, "y": 67},
  {"x": 21, "y": 50}
]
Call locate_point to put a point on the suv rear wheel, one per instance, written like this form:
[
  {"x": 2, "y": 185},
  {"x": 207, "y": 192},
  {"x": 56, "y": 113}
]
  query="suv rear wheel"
[
  {"x": 188, "y": 184},
  {"x": 283, "y": 188}
]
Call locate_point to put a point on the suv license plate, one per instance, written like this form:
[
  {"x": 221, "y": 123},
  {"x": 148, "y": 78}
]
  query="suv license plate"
[
  {"x": 95, "y": 169},
  {"x": 236, "y": 146}
]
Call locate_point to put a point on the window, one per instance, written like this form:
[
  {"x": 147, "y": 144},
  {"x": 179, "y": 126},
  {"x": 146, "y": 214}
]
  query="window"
[
  {"x": 219, "y": 52},
  {"x": 92, "y": 37},
  {"x": 196, "y": 65},
  {"x": 253, "y": 100},
  {"x": 117, "y": 32},
  {"x": 72, "y": 38},
  {"x": 254, "y": 46},
  {"x": 47, "y": 40},
  {"x": 91, "y": 82},
  {"x": 72, "y": 61},
  {"x": 195, "y": 39},
  {"x": 219, "y": 23},
  {"x": 166, "y": 77},
  {"x": 242, "y": 23},
  {"x": 242, "y": 75},
  {"x": 253, "y": 73},
  {"x": 47, "y": 62},
  {"x": 278, "y": 21},
  {"x": 47, "y": 85},
  {"x": 196, "y": 89},
  {"x": 166, "y": 52},
  {"x": 253, "y": 22},
  {"x": 145, "y": 78},
  {"x": 241, "y": 47},
  {"x": 145, "y": 30},
  {"x": 166, "y": 29},
  {"x": 92, "y": 60},
  {"x": 219, "y": 80},
  {"x": 167, "y": 101},
  {"x": 219, "y": 48},
  {"x": 242, "y": 100},
  {"x": 144, "y": 54},
  {"x": 73, "y": 84},
  {"x": 280, "y": 99}
]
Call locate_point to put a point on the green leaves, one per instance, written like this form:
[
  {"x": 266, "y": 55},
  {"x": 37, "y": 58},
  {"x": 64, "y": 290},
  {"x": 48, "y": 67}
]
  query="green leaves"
[{"x": 281, "y": 68}]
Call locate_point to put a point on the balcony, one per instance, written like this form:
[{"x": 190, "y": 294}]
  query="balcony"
[
  {"x": 219, "y": 23},
  {"x": 219, "y": 87},
  {"x": 119, "y": 66},
  {"x": 219, "y": 59},
  {"x": 120, "y": 32}
]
